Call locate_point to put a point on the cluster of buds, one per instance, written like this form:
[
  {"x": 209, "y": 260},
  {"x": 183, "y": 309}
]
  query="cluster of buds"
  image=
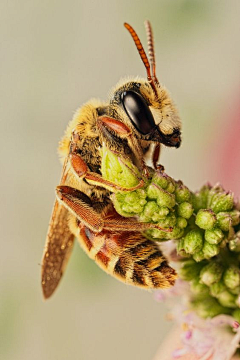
[
  {"x": 205, "y": 226},
  {"x": 162, "y": 200},
  {"x": 213, "y": 268}
]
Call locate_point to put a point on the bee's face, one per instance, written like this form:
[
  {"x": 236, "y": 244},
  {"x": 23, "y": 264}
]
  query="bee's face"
[{"x": 153, "y": 118}]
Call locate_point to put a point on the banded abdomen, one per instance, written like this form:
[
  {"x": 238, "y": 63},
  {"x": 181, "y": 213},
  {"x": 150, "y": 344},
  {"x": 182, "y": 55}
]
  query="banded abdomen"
[{"x": 128, "y": 256}]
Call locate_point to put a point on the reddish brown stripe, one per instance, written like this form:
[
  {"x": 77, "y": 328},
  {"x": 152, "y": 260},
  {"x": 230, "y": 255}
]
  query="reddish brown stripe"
[{"x": 102, "y": 258}]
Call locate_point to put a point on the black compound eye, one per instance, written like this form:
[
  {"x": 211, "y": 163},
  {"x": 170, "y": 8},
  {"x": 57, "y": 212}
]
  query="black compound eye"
[{"x": 138, "y": 111}]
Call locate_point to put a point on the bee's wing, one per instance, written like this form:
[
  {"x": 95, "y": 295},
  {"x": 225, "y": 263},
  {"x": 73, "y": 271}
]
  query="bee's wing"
[{"x": 59, "y": 244}]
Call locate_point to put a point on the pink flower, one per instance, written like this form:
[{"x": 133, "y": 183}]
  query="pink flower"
[{"x": 218, "y": 337}]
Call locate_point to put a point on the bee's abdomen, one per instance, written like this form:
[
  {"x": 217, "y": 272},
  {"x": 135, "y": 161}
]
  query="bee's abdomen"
[{"x": 128, "y": 256}]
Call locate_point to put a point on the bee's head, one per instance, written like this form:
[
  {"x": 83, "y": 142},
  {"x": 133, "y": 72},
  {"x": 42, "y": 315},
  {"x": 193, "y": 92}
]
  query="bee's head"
[{"x": 147, "y": 104}]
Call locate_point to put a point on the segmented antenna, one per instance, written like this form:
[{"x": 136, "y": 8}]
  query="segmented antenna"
[
  {"x": 142, "y": 55},
  {"x": 151, "y": 51}
]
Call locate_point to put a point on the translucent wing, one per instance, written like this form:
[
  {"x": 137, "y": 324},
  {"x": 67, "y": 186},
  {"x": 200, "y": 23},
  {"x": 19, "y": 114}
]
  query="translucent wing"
[{"x": 58, "y": 248}]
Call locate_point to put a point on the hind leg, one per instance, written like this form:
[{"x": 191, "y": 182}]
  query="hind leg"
[{"x": 80, "y": 205}]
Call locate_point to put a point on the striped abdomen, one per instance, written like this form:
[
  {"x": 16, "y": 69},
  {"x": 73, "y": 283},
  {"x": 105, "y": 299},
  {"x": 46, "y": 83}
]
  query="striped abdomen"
[{"x": 128, "y": 256}]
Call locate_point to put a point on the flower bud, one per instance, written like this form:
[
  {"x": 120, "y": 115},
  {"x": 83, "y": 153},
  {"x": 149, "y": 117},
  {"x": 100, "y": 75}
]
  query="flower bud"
[
  {"x": 190, "y": 270},
  {"x": 224, "y": 220},
  {"x": 177, "y": 233},
  {"x": 227, "y": 299},
  {"x": 118, "y": 202},
  {"x": 169, "y": 221},
  {"x": 205, "y": 219},
  {"x": 161, "y": 179},
  {"x": 163, "y": 197},
  {"x": 181, "y": 222},
  {"x": 211, "y": 273},
  {"x": 200, "y": 198},
  {"x": 235, "y": 291},
  {"x": 185, "y": 210},
  {"x": 198, "y": 256},
  {"x": 180, "y": 248},
  {"x": 133, "y": 202},
  {"x": 231, "y": 277},
  {"x": 235, "y": 217},
  {"x": 119, "y": 170},
  {"x": 217, "y": 288},
  {"x": 193, "y": 242},
  {"x": 234, "y": 244},
  {"x": 171, "y": 187},
  {"x": 214, "y": 236},
  {"x": 150, "y": 209},
  {"x": 221, "y": 202},
  {"x": 199, "y": 289},
  {"x": 210, "y": 250},
  {"x": 209, "y": 308},
  {"x": 182, "y": 193}
]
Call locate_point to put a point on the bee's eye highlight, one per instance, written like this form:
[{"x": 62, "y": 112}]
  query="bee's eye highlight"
[{"x": 138, "y": 111}]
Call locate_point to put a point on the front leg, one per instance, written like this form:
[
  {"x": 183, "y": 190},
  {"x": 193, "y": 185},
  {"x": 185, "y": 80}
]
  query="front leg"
[
  {"x": 80, "y": 206},
  {"x": 155, "y": 158}
]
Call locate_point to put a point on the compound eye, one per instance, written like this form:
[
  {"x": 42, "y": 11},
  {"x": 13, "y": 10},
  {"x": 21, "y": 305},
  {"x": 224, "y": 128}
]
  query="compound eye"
[{"x": 138, "y": 111}]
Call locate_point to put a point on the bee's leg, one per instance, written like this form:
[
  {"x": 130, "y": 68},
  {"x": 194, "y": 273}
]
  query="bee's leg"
[
  {"x": 80, "y": 205},
  {"x": 81, "y": 169},
  {"x": 155, "y": 158},
  {"x": 106, "y": 123}
]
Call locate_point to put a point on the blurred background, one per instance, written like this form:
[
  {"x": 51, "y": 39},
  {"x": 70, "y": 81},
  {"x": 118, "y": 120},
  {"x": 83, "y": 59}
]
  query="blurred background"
[{"x": 55, "y": 55}]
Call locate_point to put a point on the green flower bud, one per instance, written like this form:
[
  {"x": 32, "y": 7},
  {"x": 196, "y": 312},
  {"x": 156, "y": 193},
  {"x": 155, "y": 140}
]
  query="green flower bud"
[
  {"x": 182, "y": 193},
  {"x": 221, "y": 202},
  {"x": 217, "y": 288},
  {"x": 190, "y": 270},
  {"x": 214, "y": 236},
  {"x": 162, "y": 179},
  {"x": 185, "y": 210},
  {"x": 177, "y": 233},
  {"x": 216, "y": 189},
  {"x": 133, "y": 202},
  {"x": 121, "y": 171},
  {"x": 210, "y": 250},
  {"x": 156, "y": 235},
  {"x": 235, "y": 291},
  {"x": 180, "y": 248},
  {"x": 169, "y": 221},
  {"x": 199, "y": 256},
  {"x": 205, "y": 219},
  {"x": 227, "y": 299},
  {"x": 171, "y": 187},
  {"x": 200, "y": 198},
  {"x": 162, "y": 213},
  {"x": 231, "y": 277},
  {"x": 235, "y": 217},
  {"x": 224, "y": 220},
  {"x": 199, "y": 289},
  {"x": 209, "y": 308},
  {"x": 193, "y": 242},
  {"x": 236, "y": 315},
  {"x": 163, "y": 197},
  {"x": 149, "y": 210},
  {"x": 234, "y": 244},
  {"x": 211, "y": 273},
  {"x": 181, "y": 222},
  {"x": 118, "y": 201}
]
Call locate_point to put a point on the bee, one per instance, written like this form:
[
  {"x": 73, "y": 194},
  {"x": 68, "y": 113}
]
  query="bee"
[{"x": 140, "y": 115}]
